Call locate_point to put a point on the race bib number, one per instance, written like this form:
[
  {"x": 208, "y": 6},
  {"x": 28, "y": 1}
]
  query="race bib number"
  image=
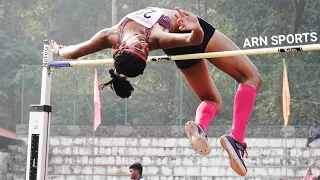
[{"x": 146, "y": 17}]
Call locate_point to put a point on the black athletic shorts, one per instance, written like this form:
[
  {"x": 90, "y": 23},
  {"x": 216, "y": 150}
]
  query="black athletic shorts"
[{"x": 184, "y": 64}]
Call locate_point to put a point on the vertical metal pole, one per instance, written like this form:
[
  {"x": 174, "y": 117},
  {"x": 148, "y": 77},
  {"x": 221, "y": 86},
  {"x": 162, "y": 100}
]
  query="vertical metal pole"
[
  {"x": 75, "y": 98},
  {"x": 46, "y": 75},
  {"x": 92, "y": 152},
  {"x": 22, "y": 94},
  {"x": 181, "y": 98},
  {"x": 126, "y": 111},
  {"x": 235, "y": 86},
  {"x": 286, "y": 154},
  {"x": 39, "y": 124}
]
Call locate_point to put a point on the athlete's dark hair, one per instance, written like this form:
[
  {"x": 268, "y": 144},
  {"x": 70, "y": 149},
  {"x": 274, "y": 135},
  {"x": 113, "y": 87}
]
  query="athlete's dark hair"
[
  {"x": 128, "y": 64},
  {"x": 138, "y": 167}
]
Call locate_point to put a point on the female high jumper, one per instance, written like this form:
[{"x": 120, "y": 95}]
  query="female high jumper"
[{"x": 179, "y": 32}]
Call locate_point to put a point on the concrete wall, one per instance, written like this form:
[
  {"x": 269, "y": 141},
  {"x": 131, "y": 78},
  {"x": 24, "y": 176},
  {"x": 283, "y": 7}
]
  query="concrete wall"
[
  {"x": 108, "y": 158},
  {"x": 4, "y": 163},
  {"x": 166, "y": 155}
]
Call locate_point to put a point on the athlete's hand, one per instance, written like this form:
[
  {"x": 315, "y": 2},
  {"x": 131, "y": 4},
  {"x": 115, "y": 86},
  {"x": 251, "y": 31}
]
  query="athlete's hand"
[
  {"x": 55, "y": 47},
  {"x": 187, "y": 21}
]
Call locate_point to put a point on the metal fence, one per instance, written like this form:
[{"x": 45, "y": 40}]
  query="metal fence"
[{"x": 162, "y": 96}]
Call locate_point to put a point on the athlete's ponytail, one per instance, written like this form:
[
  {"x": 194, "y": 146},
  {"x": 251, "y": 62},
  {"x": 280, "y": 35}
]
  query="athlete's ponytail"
[
  {"x": 127, "y": 64},
  {"x": 119, "y": 84}
]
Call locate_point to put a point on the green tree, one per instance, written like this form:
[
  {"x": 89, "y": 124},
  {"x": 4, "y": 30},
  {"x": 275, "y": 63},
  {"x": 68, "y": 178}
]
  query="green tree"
[{"x": 14, "y": 54}]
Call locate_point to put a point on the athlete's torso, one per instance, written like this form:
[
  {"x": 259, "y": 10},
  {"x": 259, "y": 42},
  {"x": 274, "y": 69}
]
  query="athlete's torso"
[
  {"x": 147, "y": 18},
  {"x": 153, "y": 44}
]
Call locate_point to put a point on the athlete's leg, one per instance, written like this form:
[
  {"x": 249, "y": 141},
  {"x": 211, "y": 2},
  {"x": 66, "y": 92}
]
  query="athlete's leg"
[
  {"x": 239, "y": 67},
  {"x": 243, "y": 71},
  {"x": 199, "y": 80}
]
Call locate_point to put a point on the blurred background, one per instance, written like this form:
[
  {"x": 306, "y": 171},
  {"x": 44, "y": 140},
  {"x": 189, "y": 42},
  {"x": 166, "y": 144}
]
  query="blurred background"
[{"x": 161, "y": 99}]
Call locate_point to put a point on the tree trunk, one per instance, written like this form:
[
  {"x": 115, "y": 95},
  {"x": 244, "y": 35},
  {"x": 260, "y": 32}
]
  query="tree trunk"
[
  {"x": 205, "y": 8},
  {"x": 298, "y": 9},
  {"x": 13, "y": 18},
  {"x": 114, "y": 12},
  {"x": 199, "y": 8},
  {"x": 11, "y": 121}
]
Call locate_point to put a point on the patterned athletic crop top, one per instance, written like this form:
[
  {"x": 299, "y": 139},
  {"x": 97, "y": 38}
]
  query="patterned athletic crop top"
[{"x": 147, "y": 17}]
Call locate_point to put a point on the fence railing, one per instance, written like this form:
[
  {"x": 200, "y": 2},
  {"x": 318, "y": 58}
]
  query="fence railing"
[{"x": 162, "y": 96}]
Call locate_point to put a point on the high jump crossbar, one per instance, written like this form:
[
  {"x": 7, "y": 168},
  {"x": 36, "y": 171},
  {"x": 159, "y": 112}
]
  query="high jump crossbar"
[
  {"x": 40, "y": 114},
  {"x": 261, "y": 51}
]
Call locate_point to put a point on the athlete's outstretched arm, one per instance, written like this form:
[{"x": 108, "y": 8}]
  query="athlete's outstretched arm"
[
  {"x": 173, "y": 40},
  {"x": 187, "y": 22},
  {"x": 97, "y": 43}
]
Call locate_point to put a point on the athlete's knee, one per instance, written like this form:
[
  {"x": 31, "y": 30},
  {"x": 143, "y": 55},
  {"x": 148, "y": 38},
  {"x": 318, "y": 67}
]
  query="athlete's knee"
[
  {"x": 217, "y": 103},
  {"x": 257, "y": 81},
  {"x": 254, "y": 81}
]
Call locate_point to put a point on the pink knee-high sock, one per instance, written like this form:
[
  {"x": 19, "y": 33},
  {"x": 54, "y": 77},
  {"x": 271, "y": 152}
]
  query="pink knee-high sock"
[
  {"x": 206, "y": 111},
  {"x": 243, "y": 105}
]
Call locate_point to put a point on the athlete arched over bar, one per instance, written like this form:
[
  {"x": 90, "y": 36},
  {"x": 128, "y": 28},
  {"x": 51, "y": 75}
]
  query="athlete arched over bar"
[{"x": 179, "y": 32}]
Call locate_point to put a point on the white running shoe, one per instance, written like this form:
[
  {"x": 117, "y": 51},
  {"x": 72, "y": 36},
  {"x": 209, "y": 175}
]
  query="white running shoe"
[{"x": 197, "y": 138}]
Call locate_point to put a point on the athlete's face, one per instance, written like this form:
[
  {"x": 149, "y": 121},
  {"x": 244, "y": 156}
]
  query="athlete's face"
[
  {"x": 133, "y": 173},
  {"x": 309, "y": 172},
  {"x": 138, "y": 44}
]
